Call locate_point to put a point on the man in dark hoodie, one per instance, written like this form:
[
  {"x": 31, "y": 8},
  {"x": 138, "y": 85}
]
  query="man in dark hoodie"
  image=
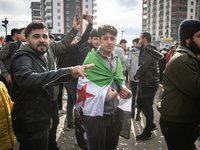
[
  {"x": 69, "y": 58},
  {"x": 34, "y": 76},
  {"x": 132, "y": 66},
  {"x": 148, "y": 76},
  {"x": 87, "y": 46}
]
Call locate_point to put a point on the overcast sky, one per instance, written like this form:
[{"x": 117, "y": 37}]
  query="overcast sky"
[{"x": 125, "y": 15}]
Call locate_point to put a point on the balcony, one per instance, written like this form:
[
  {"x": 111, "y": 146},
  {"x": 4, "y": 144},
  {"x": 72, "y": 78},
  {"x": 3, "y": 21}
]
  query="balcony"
[
  {"x": 167, "y": 13},
  {"x": 160, "y": 20},
  {"x": 154, "y": 21},
  {"x": 167, "y": 26},
  {"x": 160, "y": 33},
  {"x": 161, "y": 27},
  {"x": 154, "y": 16},
  {"x": 160, "y": 14}
]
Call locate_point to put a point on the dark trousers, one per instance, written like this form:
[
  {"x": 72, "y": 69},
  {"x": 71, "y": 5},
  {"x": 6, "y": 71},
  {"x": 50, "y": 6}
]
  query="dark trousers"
[
  {"x": 178, "y": 135},
  {"x": 33, "y": 140},
  {"x": 133, "y": 86},
  {"x": 71, "y": 93},
  {"x": 60, "y": 94},
  {"x": 102, "y": 132},
  {"x": 52, "y": 133},
  {"x": 145, "y": 103}
]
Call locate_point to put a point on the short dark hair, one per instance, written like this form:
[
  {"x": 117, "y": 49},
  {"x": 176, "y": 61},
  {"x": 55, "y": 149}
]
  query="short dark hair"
[
  {"x": 146, "y": 35},
  {"x": 94, "y": 33},
  {"x": 20, "y": 30},
  {"x": 8, "y": 38},
  {"x": 136, "y": 40},
  {"x": 122, "y": 41},
  {"x": 104, "y": 29},
  {"x": 51, "y": 36},
  {"x": 13, "y": 31},
  {"x": 172, "y": 47},
  {"x": 34, "y": 25}
]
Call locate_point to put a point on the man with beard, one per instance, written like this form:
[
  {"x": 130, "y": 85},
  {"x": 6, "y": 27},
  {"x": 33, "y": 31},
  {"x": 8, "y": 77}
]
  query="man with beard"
[
  {"x": 180, "y": 95},
  {"x": 148, "y": 76},
  {"x": 34, "y": 76}
]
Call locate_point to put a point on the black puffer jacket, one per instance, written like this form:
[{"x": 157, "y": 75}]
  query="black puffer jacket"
[
  {"x": 148, "y": 70},
  {"x": 32, "y": 89}
]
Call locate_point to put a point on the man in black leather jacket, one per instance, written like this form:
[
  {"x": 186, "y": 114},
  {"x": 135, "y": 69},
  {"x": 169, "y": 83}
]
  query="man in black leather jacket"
[
  {"x": 33, "y": 73},
  {"x": 148, "y": 76}
]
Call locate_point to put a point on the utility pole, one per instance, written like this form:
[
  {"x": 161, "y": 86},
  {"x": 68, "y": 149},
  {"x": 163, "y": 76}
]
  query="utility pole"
[
  {"x": 122, "y": 33},
  {"x": 5, "y": 22}
]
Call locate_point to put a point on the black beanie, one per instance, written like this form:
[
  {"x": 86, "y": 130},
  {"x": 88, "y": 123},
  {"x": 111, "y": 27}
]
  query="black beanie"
[{"x": 188, "y": 28}]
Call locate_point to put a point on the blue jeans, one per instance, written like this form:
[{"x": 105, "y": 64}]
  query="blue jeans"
[{"x": 37, "y": 140}]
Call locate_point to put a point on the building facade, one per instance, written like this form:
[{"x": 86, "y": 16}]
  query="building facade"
[
  {"x": 58, "y": 15},
  {"x": 35, "y": 11},
  {"x": 162, "y": 18}
]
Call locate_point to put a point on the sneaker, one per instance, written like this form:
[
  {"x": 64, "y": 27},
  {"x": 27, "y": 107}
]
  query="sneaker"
[
  {"x": 62, "y": 111},
  {"x": 154, "y": 127},
  {"x": 144, "y": 136},
  {"x": 138, "y": 118}
]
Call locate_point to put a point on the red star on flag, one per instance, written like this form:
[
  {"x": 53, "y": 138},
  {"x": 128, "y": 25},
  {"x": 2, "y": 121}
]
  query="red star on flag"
[{"x": 82, "y": 95}]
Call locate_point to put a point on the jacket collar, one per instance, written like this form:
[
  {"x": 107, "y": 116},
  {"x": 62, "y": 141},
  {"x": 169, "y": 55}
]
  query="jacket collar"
[{"x": 186, "y": 50}]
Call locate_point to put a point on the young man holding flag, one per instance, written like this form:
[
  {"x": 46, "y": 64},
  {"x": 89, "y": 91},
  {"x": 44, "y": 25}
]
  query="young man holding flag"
[{"x": 97, "y": 94}]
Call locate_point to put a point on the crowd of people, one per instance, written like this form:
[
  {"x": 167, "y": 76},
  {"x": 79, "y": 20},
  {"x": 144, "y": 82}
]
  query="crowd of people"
[{"x": 36, "y": 67}]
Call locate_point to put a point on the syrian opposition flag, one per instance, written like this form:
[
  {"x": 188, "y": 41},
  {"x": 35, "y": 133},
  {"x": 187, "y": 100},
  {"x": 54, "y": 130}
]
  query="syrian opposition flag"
[
  {"x": 91, "y": 91},
  {"x": 1, "y": 41}
]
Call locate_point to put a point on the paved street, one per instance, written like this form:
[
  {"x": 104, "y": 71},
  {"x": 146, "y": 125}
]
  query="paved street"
[{"x": 66, "y": 139}]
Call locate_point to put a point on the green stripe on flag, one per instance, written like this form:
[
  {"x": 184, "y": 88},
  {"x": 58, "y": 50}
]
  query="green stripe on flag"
[{"x": 101, "y": 74}]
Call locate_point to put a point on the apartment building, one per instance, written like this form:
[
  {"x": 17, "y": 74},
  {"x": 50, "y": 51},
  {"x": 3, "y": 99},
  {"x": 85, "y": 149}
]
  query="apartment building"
[
  {"x": 162, "y": 18},
  {"x": 35, "y": 11},
  {"x": 58, "y": 15}
]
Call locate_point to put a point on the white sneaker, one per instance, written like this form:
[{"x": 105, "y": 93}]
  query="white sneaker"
[{"x": 62, "y": 111}]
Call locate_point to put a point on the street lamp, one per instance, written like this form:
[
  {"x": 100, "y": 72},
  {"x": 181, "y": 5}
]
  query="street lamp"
[
  {"x": 5, "y": 22},
  {"x": 122, "y": 33}
]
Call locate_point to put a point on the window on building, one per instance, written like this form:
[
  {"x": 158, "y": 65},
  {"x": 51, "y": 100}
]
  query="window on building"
[
  {"x": 58, "y": 10},
  {"x": 86, "y": 6},
  {"x": 86, "y": 0},
  {"x": 192, "y": 3},
  {"x": 67, "y": 25},
  {"x": 58, "y": 23},
  {"x": 67, "y": 12},
  {"x": 183, "y": 9},
  {"x": 191, "y": 17},
  {"x": 67, "y": 5},
  {"x": 58, "y": 17},
  {"x": 68, "y": 0},
  {"x": 58, "y": 4},
  {"x": 175, "y": 9},
  {"x": 183, "y": 2},
  {"x": 59, "y": 30},
  {"x": 86, "y": 12},
  {"x": 77, "y": 0},
  {"x": 191, "y": 10},
  {"x": 68, "y": 19}
]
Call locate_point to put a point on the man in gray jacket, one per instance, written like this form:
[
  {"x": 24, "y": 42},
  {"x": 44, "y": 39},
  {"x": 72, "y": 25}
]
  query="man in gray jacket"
[
  {"x": 132, "y": 66},
  {"x": 120, "y": 51}
]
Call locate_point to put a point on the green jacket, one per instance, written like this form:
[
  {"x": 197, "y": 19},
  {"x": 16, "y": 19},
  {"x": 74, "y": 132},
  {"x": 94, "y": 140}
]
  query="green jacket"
[
  {"x": 180, "y": 95},
  {"x": 55, "y": 48}
]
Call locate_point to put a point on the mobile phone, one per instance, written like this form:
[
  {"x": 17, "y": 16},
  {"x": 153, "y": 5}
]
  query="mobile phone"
[
  {"x": 77, "y": 13},
  {"x": 85, "y": 16}
]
